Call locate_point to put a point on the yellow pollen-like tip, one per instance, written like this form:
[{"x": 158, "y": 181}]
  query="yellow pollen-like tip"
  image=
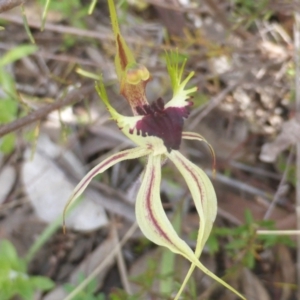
[{"x": 135, "y": 73}]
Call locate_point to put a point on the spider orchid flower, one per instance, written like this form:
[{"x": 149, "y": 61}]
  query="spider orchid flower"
[{"x": 157, "y": 130}]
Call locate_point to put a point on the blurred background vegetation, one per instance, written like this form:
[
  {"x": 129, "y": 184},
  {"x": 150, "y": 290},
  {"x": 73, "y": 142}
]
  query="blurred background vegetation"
[{"x": 53, "y": 128}]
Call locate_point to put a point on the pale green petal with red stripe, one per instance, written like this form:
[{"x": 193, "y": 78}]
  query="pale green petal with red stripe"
[
  {"x": 103, "y": 166},
  {"x": 205, "y": 201},
  {"x": 150, "y": 213},
  {"x": 202, "y": 192}
]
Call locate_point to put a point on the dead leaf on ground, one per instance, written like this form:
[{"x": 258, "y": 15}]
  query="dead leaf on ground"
[
  {"x": 7, "y": 179},
  {"x": 288, "y": 136},
  {"x": 48, "y": 187},
  {"x": 253, "y": 287},
  {"x": 288, "y": 271}
]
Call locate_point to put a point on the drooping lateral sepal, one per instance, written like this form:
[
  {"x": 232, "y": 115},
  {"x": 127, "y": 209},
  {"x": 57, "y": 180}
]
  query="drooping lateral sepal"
[
  {"x": 203, "y": 194},
  {"x": 150, "y": 214},
  {"x": 103, "y": 166},
  {"x": 153, "y": 221},
  {"x": 205, "y": 201}
]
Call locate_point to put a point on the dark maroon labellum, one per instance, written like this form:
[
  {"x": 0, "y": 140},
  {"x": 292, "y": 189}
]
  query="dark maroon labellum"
[{"x": 166, "y": 124}]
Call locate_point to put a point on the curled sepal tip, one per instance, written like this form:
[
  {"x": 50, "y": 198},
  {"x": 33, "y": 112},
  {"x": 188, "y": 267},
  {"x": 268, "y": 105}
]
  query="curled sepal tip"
[{"x": 200, "y": 138}]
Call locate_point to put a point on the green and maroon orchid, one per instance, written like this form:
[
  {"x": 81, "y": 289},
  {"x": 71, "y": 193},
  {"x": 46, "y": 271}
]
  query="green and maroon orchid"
[{"x": 157, "y": 129}]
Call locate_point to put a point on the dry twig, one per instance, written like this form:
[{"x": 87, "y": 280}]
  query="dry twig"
[
  {"x": 73, "y": 97},
  {"x": 279, "y": 189},
  {"x": 6, "y": 5},
  {"x": 83, "y": 284},
  {"x": 121, "y": 262},
  {"x": 86, "y": 33},
  {"x": 222, "y": 18},
  {"x": 213, "y": 103}
]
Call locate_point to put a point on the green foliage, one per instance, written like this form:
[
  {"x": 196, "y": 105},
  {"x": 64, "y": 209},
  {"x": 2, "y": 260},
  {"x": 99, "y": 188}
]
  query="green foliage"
[
  {"x": 13, "y": 277},
  {"x": 8, "y": 96},
  {"x": 16, "y": 54},
  {"x": 7, "y": 143},
  {"x": 167, "y": 265},
  {"x": 146, "y": 279},
  {"x": 66, "y": 9},
  {"x": 87, "y": 293},
  {"x": 153, "y": 275},
  {"x": 92, "y": 6},
  {"x": 247, "y": 11},
  {"x": 200, "y": 99},
  {"x": 73, "y": 10},
  {"x": 151, "y": 281},
  {"x": 119, "y": 294},
  {"x": 244, "y": 240}
]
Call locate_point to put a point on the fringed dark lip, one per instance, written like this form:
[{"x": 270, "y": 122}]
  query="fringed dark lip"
[{"x": 164, "y": 123}]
